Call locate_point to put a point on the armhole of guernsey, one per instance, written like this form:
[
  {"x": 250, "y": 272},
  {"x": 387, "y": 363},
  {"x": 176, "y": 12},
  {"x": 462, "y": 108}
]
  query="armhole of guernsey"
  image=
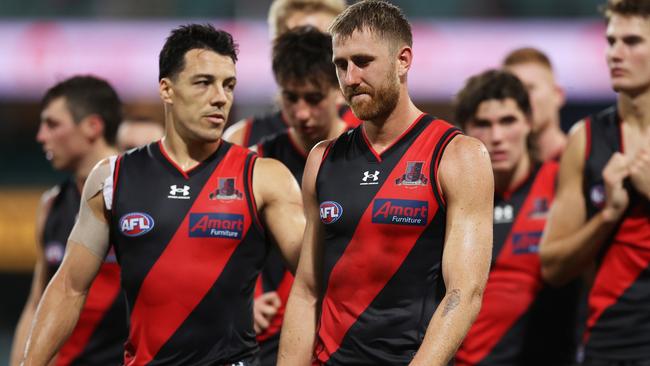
[
  {"x": 248, "y": 187},
  {"x": 435, "y": 161},
  {"x": 111, "y": 181},
  {"x": 328, "y": 148}
]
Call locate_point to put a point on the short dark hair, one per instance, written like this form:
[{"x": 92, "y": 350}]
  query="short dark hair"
[
  {"x": 86, "y": 95},
  {"x": 304, "y": 53},
  {"x": 188, "y": 37},
  {"x": 527, "y": 55},
  {"x": 627, "y": 8},
  {"x": 491, "y": 84},
  {"x": 380, "y": 17}
]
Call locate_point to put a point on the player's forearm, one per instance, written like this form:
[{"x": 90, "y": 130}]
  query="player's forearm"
[
  {"x": 566, "y": 258},
  {"x": 54, "y": 321},
  {"x": 298, "y": 329},
  {"x": 22, "y": 331},
  {"x": 449, "y": 326}
]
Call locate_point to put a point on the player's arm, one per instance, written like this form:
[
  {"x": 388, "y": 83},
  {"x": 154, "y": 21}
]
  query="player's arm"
[
  {"x": 235, "y": 134},
  {"x": 38, "y": 281},
  {"x": 570, "y": 243},
  {"x": 59, "y": 308},
  {"x": 465, "y": 175},
  {"x": 299, "y": 327},
  {"x": 280, "y": 204}
]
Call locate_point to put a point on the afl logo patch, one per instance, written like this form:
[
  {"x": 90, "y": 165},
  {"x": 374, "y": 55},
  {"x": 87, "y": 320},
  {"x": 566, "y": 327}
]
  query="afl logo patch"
[
  {"x": 597, "y": 195},
  {"x": 330, "y": 212},
  {"x": 136, "y": 224}
]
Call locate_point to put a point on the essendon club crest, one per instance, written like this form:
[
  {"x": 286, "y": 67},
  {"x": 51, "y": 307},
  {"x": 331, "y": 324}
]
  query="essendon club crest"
[
  {"x": 226, "y": 190},
  {"x": 413, "y": 175}
]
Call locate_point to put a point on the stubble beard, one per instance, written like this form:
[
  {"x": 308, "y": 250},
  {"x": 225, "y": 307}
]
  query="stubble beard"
[{"x": 382, "y": 102}]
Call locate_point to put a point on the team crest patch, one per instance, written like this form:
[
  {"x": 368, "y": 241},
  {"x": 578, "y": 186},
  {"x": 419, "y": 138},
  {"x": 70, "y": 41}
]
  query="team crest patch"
[
  {"x": 216, "y": 225},
  {"x": 540, "y": 209},
  {"x": 400, "y": 212},
  {"x": 226, "y": 191},
  {"x": 413, "y": 175},
  {"x": 136, "y": 224},
  {"x": 330, "y": 212},
  {"x": 526, "y": 242}
]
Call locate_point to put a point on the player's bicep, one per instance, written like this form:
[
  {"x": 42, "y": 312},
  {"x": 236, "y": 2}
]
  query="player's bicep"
[
  {"x": 468, "y": 185},
  {"x": 568, "y": 211},
  {"x": 281, "y": 207}
]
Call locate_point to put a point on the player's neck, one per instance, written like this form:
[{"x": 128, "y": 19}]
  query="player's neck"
[
  {"x": 99, "y": 151},
  {"x": 187, "y": 154},
  {"x": 550, "y": 141},
  {"x": 635, "y": 110},
  {"x": 507, "y": 182},
  {"x": 382, "y": 133}
]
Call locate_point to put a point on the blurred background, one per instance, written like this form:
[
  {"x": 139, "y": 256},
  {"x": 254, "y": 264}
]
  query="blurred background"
[{"x": 45, "y": 41}]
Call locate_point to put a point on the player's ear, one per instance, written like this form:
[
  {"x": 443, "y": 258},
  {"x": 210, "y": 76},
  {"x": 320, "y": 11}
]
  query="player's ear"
[
  {"x": 166, "y": 90},
  {"x": 92, "y": 126},
  {"x": 404, "y": 60}
]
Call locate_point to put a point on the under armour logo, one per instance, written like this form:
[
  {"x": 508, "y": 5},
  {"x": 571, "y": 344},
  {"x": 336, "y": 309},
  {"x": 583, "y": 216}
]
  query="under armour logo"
[
  {"x": 174, "y": 192},
  {"x": 374, "y": 177}
]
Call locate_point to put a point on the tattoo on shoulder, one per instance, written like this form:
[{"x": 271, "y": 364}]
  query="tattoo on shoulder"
[{"x": 453, "y": 299}]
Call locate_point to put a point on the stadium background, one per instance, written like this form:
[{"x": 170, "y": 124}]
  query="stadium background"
[{"x": 42, "y": 42}]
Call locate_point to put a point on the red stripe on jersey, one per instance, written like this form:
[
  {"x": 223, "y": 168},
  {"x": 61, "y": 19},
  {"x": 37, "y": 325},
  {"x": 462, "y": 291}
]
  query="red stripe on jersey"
[
  {"x": 102, "y": 294},
  {"x": 187, "y": 269},
  {"x": 514, "y": 280},
  {"x": 626, "y": 258},
  {"x": 116, "y": 175},
  {"x": 375, "y": 253},
  {"x": 248, "y": 128}
]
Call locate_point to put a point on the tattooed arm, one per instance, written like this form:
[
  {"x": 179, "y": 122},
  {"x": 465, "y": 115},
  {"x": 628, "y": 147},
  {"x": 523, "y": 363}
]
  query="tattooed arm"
[{"x": 465, "y": 177}]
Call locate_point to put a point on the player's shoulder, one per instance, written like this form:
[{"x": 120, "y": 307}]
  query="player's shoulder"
[{"x": 465, "y": 148}]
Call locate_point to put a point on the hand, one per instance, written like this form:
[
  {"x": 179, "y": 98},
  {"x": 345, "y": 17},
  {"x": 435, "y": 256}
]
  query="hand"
[
  {"x": 640, "y": 172},
  {"x": 265, "y": 307},
  {"x": 617, "y": 198}
]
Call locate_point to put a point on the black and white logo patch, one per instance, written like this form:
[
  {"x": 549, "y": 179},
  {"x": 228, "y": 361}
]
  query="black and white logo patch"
[
  {"x": 179, "y": 193},
  {"x": 370, "y": 178}
]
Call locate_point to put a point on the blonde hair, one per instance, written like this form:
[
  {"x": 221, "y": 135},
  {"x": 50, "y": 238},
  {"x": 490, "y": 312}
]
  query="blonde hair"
[{"x": 281, "y": 10}]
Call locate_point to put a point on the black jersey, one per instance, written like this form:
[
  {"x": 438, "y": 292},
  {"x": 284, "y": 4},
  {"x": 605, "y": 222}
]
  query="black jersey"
[
  {"x": 191, "y": 247},
  {"x": 384, "y": 228},
  {"x": 99, "y": 335},
  {"x": 282, "y": 147},
  {"x": 512, "y": 294},
  {"x": 618, "y": 326}
]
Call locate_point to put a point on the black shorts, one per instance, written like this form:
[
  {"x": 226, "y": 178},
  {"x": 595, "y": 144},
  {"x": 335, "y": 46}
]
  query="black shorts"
[{"x": 591, "y": 361}]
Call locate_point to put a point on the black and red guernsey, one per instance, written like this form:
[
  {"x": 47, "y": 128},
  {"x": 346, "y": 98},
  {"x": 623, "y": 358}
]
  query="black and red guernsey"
[
  {"x": 98, "y": 338},
  {"x": 258, "y": 127},
  {"x": 190, "y": 246},
  {"x": 618, "y": 325},
  {"x": 384, "y": 220},
  {"x": 500, "y": 332}
]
